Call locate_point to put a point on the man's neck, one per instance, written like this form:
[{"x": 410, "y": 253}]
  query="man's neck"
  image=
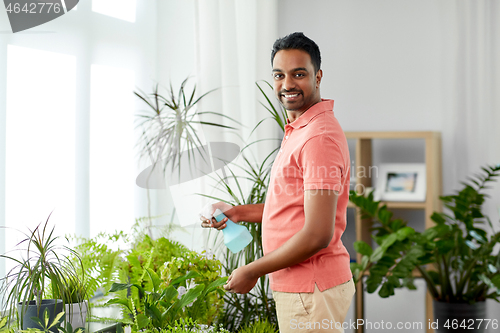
[{"x": 295, "y": 114}]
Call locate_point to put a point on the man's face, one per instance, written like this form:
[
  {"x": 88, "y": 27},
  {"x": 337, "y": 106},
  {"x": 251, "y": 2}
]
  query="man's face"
[{"x": 296, "y": 84}]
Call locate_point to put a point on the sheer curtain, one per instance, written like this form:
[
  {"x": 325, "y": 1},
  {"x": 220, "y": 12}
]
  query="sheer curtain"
[
  {"x": 233, "y": 41},
  {"x": 471, "y": 131},
  {"x": 472, "y": 116}
]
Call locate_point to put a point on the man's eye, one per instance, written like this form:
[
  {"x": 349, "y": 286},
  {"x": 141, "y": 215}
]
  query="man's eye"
[
  {"x": 278, "y": 76},
  {"x": 299, "y": 75}
]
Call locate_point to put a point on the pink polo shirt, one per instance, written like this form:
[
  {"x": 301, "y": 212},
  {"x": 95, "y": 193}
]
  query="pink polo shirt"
[{"x": 313, "y": 155}]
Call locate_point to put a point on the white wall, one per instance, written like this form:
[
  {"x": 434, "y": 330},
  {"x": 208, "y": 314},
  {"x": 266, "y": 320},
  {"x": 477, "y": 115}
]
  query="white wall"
[{"x": 381, "y": 59}]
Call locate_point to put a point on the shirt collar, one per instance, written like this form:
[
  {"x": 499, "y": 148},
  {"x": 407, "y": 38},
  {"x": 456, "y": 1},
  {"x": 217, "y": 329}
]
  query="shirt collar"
[{"x": 305, "y": 118}]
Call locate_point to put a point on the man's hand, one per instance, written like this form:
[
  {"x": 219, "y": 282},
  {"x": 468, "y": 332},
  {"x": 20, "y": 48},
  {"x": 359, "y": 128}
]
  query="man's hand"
[
  {"x": 212, "y": 222},
  {"x": 241, "y": 280},
  {"x": 248, "y": 213}
]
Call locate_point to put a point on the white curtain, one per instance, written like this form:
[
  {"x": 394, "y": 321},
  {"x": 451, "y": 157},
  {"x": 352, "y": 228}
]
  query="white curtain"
[
  {"x": 234, "y": 42},
  {"x": 471, "y": 131},
  {"x": 472, "y": 117}
]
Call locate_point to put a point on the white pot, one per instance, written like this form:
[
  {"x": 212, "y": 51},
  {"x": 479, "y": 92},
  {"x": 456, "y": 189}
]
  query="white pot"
[{"x": 76, "y": 314}]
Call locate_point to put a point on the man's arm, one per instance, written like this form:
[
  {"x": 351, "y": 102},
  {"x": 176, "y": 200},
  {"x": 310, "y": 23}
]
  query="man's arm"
[
  {"x": 247, "y": 213},
  {"x": 320, "y": 207}
]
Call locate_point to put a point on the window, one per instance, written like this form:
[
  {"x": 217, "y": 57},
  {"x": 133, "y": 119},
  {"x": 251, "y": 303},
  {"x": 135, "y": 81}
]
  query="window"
[
  {"x": 40, "y": 141},
  {"x": 112, "y": 166},
  {"x": 67, "y": 118},
  {"x": 120, "y": 9}
]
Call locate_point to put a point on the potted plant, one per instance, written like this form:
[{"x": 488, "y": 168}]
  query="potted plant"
[
  {"x": 79, "y": 288},
  {"x": 455, "y": 257},
  {"x": 43, "y": 265}
]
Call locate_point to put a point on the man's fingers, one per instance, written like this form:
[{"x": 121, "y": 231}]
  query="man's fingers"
[
  {"x": 205, "y": 223},
  {"x": 219, "y": 225},
  {"x": 212, "y": 223}
]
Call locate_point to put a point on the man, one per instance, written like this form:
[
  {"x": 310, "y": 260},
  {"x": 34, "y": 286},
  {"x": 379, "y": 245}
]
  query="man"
[{"x": 304, "y": 214}]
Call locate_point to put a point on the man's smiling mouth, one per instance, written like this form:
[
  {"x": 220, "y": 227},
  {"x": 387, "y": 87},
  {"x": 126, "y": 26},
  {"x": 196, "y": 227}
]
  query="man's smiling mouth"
[{"x": 290, "y": 95}]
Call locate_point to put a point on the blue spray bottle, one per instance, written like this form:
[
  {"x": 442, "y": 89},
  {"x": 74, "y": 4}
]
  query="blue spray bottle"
[{"x": 236, "y": 236}]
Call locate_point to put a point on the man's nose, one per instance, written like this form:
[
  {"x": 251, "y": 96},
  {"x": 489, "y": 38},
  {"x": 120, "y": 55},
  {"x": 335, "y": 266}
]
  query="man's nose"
[{"x": 288, "y": 83}]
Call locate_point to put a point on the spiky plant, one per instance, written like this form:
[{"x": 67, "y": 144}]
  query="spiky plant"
[{"x": 44, "y": 265}]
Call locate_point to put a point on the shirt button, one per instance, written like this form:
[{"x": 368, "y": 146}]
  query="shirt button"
[
  {"x": 281, "y": 150},
  {"x": 286, "y": 137}
]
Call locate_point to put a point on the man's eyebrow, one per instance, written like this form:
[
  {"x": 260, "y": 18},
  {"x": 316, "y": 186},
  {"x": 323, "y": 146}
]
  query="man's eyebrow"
[{"x": 293, "y": 70}]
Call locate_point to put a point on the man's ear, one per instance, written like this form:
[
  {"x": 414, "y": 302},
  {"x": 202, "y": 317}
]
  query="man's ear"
[{"x": 319, "y": 76}]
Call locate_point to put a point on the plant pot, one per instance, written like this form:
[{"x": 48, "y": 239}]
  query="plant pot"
[
  {"x": 31, "y": 310},
  {"x": 459, "y": 317},
  {"x": 76, "y": 314}
]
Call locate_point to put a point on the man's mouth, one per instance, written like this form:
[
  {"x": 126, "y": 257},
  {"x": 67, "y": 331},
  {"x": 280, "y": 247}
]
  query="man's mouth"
[{"x": 290, "y": 96}]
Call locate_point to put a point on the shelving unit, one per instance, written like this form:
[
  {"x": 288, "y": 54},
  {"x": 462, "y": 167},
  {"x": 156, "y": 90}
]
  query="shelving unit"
[{"x": 363, "y": 160}]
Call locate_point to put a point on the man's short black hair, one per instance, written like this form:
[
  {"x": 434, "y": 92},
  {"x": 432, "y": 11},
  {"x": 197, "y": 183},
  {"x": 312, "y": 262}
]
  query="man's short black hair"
[{"x": 298, "y": 41}]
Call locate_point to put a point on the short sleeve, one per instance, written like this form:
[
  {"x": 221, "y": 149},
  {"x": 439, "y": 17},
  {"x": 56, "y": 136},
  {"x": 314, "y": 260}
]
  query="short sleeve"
[{"x": 322, "y": 163}]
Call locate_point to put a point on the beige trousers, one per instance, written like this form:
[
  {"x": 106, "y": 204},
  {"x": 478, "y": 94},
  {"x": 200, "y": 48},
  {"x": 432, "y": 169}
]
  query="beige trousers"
[{"x": 320, "y": 311}]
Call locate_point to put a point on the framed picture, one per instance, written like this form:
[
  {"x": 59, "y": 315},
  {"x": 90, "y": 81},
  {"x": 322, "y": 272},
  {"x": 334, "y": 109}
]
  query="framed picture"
[{"x": 401, "y": 182}]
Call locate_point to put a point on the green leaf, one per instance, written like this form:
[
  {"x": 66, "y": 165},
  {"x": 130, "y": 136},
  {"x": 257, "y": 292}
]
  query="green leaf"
[
  {"x": 379, "y": 270},
  {"x": 377, "y": 254},
  {"x": 437, "y": 217},
  {"x": 496, "y": 281},
  {"x": 189, "y": 297},
  {"x": 57, "y": 320},
  {"x": 492, "y": 268},
  {"x": 394, "y": 281},
  {"x": 434, "y": 277},
  {"x": 365, "y": 260},
  {"x": 384, "y": 215},
  {"x": 354, "y": 266},
  {"x": 472, "y": 245},
  {"x": 119, "y": 286},
  {"x": 372, "y": 283},
  {"x": 217, "y": 283},
  {"x": 155, "y": 280},
  {"x": 404, "y": 233},
  {"x": 445, "y": 246},
  {"x": 183, "y": 278},
  {"x": 408, "y": 283},
  {"x": 142, "y": 321},
  {"x": 169, "y": 294},
  {"x": 119, "y": 328},
  {"x": 3, "y": 322},
  {"x": 123, "y": 302},
  {"x": 363, "y": 248},
  {"x": 477, "y": 236},
  {"x": 386, "y": 290}
]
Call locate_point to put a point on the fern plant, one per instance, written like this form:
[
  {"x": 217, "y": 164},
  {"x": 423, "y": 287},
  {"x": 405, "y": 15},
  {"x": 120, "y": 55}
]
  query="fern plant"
[{"x": 455, "y": 257}]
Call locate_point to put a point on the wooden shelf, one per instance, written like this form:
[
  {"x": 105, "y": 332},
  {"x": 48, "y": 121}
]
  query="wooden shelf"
[
  {"x": 398, "y": 205},
  {"x": 392, "y": 135},
  {"x": 363, "y": 158}
]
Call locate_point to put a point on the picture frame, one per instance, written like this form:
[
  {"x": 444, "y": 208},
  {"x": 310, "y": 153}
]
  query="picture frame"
[{"x": 401, "y": 182}]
